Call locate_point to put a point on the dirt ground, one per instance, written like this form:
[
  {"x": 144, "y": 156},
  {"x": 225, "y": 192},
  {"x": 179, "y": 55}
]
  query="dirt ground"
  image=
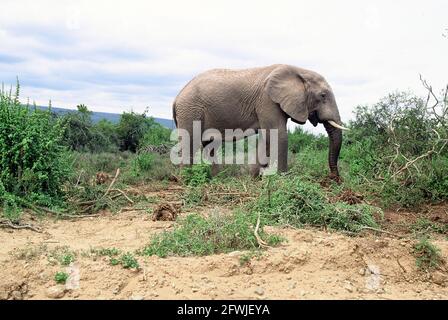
[{"x": 311, "y": 264}]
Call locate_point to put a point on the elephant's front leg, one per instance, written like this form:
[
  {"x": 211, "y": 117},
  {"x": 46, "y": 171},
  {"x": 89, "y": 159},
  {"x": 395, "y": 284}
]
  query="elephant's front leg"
[
  {"x": 274, "y": 148},
  {"x": 282, "y": 149}
]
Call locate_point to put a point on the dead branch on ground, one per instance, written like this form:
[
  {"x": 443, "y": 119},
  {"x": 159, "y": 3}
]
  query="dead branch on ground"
[{"x": 9, "y": 224}]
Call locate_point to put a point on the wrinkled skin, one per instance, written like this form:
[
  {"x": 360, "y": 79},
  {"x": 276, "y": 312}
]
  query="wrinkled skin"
[{"x": 260, "y": 98}]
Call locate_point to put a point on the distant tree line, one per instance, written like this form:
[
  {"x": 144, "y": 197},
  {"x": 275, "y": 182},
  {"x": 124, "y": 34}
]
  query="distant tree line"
[{"x": 133, "y": 131}]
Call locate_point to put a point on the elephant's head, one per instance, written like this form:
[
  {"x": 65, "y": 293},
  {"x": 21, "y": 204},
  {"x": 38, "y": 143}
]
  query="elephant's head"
[{"x": 305, "y": 95}]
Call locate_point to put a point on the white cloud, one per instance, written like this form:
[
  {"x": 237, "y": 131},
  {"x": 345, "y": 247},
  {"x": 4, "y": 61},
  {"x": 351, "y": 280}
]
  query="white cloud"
[{"x": 114, "y": 55}]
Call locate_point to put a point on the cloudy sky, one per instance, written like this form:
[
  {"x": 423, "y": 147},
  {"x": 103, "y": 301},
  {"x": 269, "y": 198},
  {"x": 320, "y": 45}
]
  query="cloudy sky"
[{"x": 123, "y": 55}]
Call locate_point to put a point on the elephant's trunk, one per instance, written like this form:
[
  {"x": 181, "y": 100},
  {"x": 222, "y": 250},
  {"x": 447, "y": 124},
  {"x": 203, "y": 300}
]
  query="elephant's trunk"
[{"x": 335, "y": 137}]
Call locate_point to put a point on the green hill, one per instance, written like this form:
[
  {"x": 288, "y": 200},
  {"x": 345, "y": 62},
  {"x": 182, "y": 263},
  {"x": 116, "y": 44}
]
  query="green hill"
[{"x": 112, "y": 117}]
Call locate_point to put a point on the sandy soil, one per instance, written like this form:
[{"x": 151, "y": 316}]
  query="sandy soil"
[{"x": 312, "y": 264}]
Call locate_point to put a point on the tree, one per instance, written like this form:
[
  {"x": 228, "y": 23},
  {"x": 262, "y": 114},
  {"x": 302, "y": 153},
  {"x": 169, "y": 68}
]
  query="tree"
[{"x": 133, "y": 127}]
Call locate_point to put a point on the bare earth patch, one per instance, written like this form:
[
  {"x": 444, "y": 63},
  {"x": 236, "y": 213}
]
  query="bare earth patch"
[{"x": 312, "y": 264}]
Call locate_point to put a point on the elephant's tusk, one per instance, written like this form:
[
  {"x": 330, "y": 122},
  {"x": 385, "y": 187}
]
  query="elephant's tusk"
[{"x": 334, "y": 124}]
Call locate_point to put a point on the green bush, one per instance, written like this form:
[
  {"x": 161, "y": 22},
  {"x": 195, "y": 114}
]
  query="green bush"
[
  {"x": 108, "y": 135},
  {"x": 83, "y": 135},
  {"x": 143, "y": 162},
  {"x": 311, "y": 163},
  {"x": 91, "y": 163},
  {"x": 299, "y": 139},
  {"x": 145, "y": 167},
  {"x": 156, "y": 135},
  {"x": 196, "y": 174},
  {"x": 427, "y": 254},
  {"x": 423, "y": 225},
  {"x": 135, "y": 130},
  {"x": 219, "y": 233},
  {"x": 396, "y": 151},
  {"x": 290, "y": 200},
  {"x": 33, "y": 163}
]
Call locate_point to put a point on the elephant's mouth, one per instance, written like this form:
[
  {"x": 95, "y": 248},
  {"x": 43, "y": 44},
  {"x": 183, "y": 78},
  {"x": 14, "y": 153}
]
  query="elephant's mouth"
[
  {"x": 313, "y": 118},
  {"x": 295, "y": 121}
]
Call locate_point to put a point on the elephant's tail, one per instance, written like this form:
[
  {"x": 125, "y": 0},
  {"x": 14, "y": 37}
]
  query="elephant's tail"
[{"x": 174, "y": 113}]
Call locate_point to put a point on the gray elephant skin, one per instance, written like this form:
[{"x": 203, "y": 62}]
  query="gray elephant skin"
[{"x": 261, "y": 98}]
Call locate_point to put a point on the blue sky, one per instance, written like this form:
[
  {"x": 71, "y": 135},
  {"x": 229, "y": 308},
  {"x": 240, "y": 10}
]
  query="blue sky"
[{"x": 122, "y": 55}]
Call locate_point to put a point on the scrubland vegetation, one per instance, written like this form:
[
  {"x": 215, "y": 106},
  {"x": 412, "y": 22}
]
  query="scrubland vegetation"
[{"x": 395, "y": 156}]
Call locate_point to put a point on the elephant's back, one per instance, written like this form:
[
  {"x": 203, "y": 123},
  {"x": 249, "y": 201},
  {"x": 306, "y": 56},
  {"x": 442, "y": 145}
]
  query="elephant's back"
[
  {"x": 248, "y": 75},
  {"x": 223, "y": 83}
]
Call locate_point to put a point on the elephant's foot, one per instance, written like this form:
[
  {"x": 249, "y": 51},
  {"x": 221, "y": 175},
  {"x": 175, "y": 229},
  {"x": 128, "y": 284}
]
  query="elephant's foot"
[
  {"x": 216, "y": 168},
  {"x": 335, "y": 177},
  {"x": 257, "y": 170},
  {"x": 254, "y": 170}
]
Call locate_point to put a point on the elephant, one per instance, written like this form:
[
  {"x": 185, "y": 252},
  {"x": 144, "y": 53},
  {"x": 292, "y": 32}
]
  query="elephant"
[{"x": 260, "y": 98}]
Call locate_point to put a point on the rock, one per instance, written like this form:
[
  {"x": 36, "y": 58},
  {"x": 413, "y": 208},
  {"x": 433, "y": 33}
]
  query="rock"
[
  {"x": 439, "y": 278},
  {"x": 24, "y": 288},
  {"x": 380, "y": 291},
  {"x": 137, "y": 297},
  {"x": 194, "y": 289},
  {"x": 16, "y": 295},
  {"x": 142, "y": 278},
  {"x": 235, "y": 254},
  {"x": 259, "y": 291},
  {"x": 302, "y": 293},
  {"x": 291, "y": 285},
  {"x": 348, "y": 287},
  {"x": 3, "y": 293},
  {"x": 55, "y": 292},
  {"x": 362, "y": 271}
]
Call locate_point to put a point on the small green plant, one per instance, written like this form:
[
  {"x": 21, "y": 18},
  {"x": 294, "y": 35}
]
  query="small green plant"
[
  {"x": 61, "y": 277},
  {"x": 108, "y": 252},
  {"x": 427, "y": 255},
  {"x": 196, "y": 174},
  {"x": 62, "y": 255},
  {"x": 218, "y": 233},
  {"x": 128, "y": 261},
  {"x": 67, "y": 258},
  {"x": 193, "y": 196},
  {"x": 423, "y": 225},
  {"x": 30, "y": 252},
  {"x": 247, "y": 257},
  {"x": 114, "y": 261}
]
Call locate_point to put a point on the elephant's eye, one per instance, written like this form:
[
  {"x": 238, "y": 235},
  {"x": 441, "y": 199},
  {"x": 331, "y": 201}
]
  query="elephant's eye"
[{"x": 323, "y": 95}]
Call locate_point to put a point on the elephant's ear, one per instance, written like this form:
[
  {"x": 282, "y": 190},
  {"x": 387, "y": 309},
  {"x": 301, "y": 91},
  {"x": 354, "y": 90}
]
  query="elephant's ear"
[{"x": 286, "y": 87}]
